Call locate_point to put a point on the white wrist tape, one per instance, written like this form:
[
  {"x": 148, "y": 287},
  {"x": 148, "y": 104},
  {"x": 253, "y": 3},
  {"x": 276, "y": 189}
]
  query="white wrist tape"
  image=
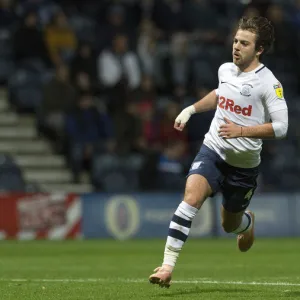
[{"x": 185, "y": 115}]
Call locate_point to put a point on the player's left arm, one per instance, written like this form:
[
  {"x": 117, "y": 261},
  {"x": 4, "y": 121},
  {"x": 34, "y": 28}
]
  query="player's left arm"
[
  {"x": 276, "y": 129},
  {"x": 277, "y": 109},
  {"x": 231, "y": 130}
]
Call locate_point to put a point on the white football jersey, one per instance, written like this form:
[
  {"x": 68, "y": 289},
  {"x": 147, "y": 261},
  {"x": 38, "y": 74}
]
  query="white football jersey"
[{"x": 246, "y": 99}]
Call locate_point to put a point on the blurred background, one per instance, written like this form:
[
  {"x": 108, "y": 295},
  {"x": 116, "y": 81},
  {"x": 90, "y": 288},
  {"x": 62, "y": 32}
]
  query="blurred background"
[{"x": 90, "y": 90}]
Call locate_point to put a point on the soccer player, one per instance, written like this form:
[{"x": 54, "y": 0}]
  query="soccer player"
[{"x": 250, "y": 106}]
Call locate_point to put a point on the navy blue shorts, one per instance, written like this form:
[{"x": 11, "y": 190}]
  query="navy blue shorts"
[{"x": 236, "y": 184}]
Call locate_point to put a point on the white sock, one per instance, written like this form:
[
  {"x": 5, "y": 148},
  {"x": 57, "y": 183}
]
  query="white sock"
[
  {"x": 245, "y": 225},
  {"x": 178, "y": 232}
]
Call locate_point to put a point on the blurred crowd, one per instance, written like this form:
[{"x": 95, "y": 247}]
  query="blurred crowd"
[{"x": 106, "y": 80}]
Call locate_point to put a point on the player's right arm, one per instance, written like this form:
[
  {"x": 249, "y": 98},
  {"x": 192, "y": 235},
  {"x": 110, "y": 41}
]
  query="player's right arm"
[{"x": 209, "y": 102}]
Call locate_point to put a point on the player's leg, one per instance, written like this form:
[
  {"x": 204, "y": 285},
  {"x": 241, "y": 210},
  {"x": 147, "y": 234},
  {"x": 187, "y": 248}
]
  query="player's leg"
[
  {"x": 203, "y": 180},
  {"x": 238, "y": 189},
  {"x": 196, "y": 191},
  {"x": 242, "y": 224},
  {"x": 231, "y": 221}
]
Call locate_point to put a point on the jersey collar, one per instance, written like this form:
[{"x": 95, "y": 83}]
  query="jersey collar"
[{"x": 256, "y": 70}]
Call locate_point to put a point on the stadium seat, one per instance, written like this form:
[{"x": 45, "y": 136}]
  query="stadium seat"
[
  {"x": 11, "y": 178},
  {"x": 84, "y": 28},
  {"x": 6, "y": 68},
  {"x": 169, "y": 182},
  {"x": 26, "y": 90},
  {"x": 203, "y": 72},
  {"x": 5, "y": 43},
  {"x": 6, "y": 61},
  {"x": 116, "y": 174}
]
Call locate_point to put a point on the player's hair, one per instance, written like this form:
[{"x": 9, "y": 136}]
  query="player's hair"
[{"x": 263, "y": 29}]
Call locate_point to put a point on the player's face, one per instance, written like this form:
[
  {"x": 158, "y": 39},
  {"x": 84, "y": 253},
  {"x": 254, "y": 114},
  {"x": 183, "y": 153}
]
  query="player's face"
[{"x": 243, "y": 50}]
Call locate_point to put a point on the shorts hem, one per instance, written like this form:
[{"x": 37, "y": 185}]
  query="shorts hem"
[{"x": 235, "y": 210}]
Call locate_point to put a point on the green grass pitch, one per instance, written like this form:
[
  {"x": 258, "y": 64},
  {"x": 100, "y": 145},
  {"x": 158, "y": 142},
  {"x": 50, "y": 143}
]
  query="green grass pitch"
[{"x": 105, "y": 269}]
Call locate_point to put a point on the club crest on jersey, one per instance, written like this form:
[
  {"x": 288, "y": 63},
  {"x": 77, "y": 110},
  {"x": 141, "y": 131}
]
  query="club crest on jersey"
[
  {"x": 278, "y": 90},
  {"x": 246, "y": 90}
]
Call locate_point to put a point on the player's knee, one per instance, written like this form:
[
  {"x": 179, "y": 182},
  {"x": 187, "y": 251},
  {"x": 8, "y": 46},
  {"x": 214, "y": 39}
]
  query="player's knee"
[
  {"x": 229, "y": 226},
  {"x": 191, "y": 198},
  {"x": 196, "y": 191}
]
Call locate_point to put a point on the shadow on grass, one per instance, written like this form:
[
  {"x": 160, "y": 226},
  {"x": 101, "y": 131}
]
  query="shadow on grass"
[
  {"x": 294, "y": 294},
  {"x": 199, "y": 291},
  {"x": 226, "y": 291}
]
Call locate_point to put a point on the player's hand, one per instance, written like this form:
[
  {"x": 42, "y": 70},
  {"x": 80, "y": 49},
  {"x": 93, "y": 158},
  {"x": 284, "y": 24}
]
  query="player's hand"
[
  {"x": 183, "y": 117},
  {"x": 229, "y": 130}
]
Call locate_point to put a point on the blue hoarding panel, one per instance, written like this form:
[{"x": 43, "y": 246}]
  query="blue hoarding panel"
[
  {"x": 297, "y": 215},
  {"x": 273, "y": 215},
  {"x": 138, "y": 215}
]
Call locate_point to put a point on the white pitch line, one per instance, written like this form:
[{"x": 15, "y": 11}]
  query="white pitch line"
[
  {"x": 121, "y": 280},
  {"x": 84, "y": 280},
  {"x": 236, "y": 282}
]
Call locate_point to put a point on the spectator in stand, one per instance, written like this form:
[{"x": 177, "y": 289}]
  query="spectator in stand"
[
  {"x": 82, "y": 82},
  {"x": 7, "y": 15},
  {"x": 199, "y": 124},
  {"x": 166, "y": 128},
  {"x": 168, "y": 16},
  {"x": 146, "y": 93},
  {"x": 202, "y": 20},
  {"x": 44, "y": 9},
  {"x": 149, "y": 141},
  {"x": 59, "y": 98},
  {"x": 128, "y": 130},
  {"x": 28, "y": 41},
  {"x": 147, "y": 47},
  {"x": 179, "y": 94},
  {"x": 87, "y": 131},
  {"x": 146, "y": 8},
  {"x": 84, "y": 62},
  {"x": 295, "y": 13},
  {"x": 145, "y": 98},
  {"x": 116, "y": 25},
  {"x": 60, "y": 39},
  {"x": 171, "y": 166},
  {"x": 177, "y": 66},
  {"x": 284, "y": 46},
  {"x": 119, "y": 64}
]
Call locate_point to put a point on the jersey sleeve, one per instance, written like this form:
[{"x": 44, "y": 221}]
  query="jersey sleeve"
[{"x": 273, "y": 96}]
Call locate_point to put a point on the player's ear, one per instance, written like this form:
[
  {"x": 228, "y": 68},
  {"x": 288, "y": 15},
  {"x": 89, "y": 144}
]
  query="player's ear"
[{"x": 260, "y": 50}]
